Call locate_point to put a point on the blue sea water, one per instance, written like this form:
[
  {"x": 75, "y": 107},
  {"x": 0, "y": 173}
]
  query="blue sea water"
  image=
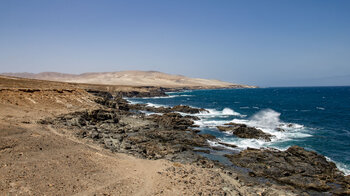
[{"x": 316, "y": 118}]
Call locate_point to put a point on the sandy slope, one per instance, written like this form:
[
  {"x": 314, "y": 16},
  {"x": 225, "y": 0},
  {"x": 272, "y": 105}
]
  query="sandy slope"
[{"x": 131, "y": 78}]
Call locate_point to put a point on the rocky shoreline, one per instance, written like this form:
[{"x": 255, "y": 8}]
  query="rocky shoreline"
[{"x": 122, "y": 127}]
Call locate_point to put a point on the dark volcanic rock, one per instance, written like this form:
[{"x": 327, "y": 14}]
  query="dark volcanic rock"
[
  {"x": 280, "y": 129},
  {"x": 295, "y": 166},
  {"x": 243, "y": 131},
  {"x": 153, "y": 137},
  {"x": 150, "y": 92},
  {"x": 228, "y": 145},
  {"x": 110, "y": 101},
  {"x": 88, "y": 118},
  {"x": 171, "y": 121},
  {"x": 208, "y": 136},
  {"x": 187, "y": 109},
  {"x": 178, "y": 108},
  {"x": 103, "y": 94}
]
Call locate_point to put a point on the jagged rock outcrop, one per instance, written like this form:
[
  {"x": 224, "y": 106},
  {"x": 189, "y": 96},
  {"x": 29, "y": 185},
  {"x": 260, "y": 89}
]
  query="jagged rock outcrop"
[
  {"x": 244, "y": 131},
  {"x": 153, "y": 137},
  {"x": 172, "y": 121},
  {"x": 187, "y": 109},
  {"x": 295, "y": 166}
]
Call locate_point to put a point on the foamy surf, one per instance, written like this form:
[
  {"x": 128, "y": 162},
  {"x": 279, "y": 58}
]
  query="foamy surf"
[
  {"x": 155, "y": 105},
  {"x": 269, "y": 121},
  {"x": 240, "y": 143},
  {"x": 342, "y": 167},
  {"x": 132, "y": 101},
  {"x": 210, "y": 123},
  {"x": 212, "y": 117},
  {"x": 167, "y": 97},
  {"x": 216, "y": 113}
]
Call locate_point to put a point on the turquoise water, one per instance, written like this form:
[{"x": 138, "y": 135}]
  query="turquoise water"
[{"x": 317, "y": 118}]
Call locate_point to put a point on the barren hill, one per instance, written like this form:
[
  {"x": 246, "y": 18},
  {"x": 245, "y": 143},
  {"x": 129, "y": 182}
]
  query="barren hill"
[{"x": 131, "y": 78}]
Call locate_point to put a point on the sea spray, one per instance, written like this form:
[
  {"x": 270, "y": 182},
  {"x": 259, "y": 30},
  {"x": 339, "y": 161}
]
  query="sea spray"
[{"x": 266, "y": 118}]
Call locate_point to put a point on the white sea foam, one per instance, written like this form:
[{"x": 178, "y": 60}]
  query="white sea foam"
[
  {"x": 320, "y": 108},
  {"x": 342, "y": 167},
  {"x": 170, "y": 93},
  {"x": 132, "y": 101},
  {"x": 206, "y": 118},
  {"x": 148, "y": 104},
  {"x": 228, "y": 111},
  {"x": 266, "y": 118},
  {"x": 251, "y": 143},
  {"x": 212, "y": 143},
  {"x": 269, "y": 121},
  {"x": 216, "y": 113},
  {"x": 155, "y": 105},
  {"x": 210, "y": 123},
  {"x": 167, "y": 97},
  {"x": 242, "y": 143}
]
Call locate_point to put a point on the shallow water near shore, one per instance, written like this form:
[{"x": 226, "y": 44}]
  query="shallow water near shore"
[{"x": 316, "y": 118}]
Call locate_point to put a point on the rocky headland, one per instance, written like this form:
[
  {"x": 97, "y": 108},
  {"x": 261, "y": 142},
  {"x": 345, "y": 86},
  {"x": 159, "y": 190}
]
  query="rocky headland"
[
  {"x": 51, "y": 139},
  {"x": 121, "y": 127}
]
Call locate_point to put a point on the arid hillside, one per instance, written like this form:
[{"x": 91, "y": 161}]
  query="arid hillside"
[
  {"x": 42, "y": 159},
  {"x": 132, "y": 78}
]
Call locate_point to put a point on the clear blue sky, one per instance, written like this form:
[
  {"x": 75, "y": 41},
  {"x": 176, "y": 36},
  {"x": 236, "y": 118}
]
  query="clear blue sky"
[{"x": 263, "y": 42}]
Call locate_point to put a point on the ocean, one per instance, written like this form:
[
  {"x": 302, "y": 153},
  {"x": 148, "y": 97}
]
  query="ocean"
[{"x": 316, "y": 118}]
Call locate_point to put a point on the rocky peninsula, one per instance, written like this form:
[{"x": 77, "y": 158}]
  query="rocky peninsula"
[{"x": 62, "y": 138}]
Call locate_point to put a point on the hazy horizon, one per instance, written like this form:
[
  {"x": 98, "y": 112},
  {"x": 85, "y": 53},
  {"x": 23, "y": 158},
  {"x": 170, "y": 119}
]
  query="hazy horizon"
[{"x": 263, "y": 43}]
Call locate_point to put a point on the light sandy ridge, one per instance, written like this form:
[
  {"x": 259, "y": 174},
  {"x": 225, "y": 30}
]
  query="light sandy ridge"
[{"x": 132, "y": 78}]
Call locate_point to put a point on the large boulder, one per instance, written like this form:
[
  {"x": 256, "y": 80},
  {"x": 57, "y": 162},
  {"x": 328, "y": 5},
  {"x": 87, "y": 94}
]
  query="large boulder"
[
  {"x": 187, "y": 109},
  {"x": 243, "y": 131}
]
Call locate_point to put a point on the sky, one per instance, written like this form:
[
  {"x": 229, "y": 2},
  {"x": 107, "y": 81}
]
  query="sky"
[{"x": 264, "y": 43}]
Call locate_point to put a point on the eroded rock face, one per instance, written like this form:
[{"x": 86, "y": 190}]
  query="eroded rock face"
[
  {"x": 243, "y": 131},
  {"x": 295, "y": 166}
]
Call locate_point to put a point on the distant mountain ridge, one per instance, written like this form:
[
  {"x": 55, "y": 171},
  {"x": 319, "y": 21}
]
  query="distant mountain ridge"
[{"x": 131, "y": 78}]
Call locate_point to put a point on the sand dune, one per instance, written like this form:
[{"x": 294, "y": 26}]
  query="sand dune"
[{"x": 131, "y": 78}]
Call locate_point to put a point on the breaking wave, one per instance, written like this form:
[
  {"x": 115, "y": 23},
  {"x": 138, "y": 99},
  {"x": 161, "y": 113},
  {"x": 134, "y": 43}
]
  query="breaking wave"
[
  {"x": 269, "y": 121},
  {"x": 167, "y": 97},
  {"x": 217, "y": 113}
]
